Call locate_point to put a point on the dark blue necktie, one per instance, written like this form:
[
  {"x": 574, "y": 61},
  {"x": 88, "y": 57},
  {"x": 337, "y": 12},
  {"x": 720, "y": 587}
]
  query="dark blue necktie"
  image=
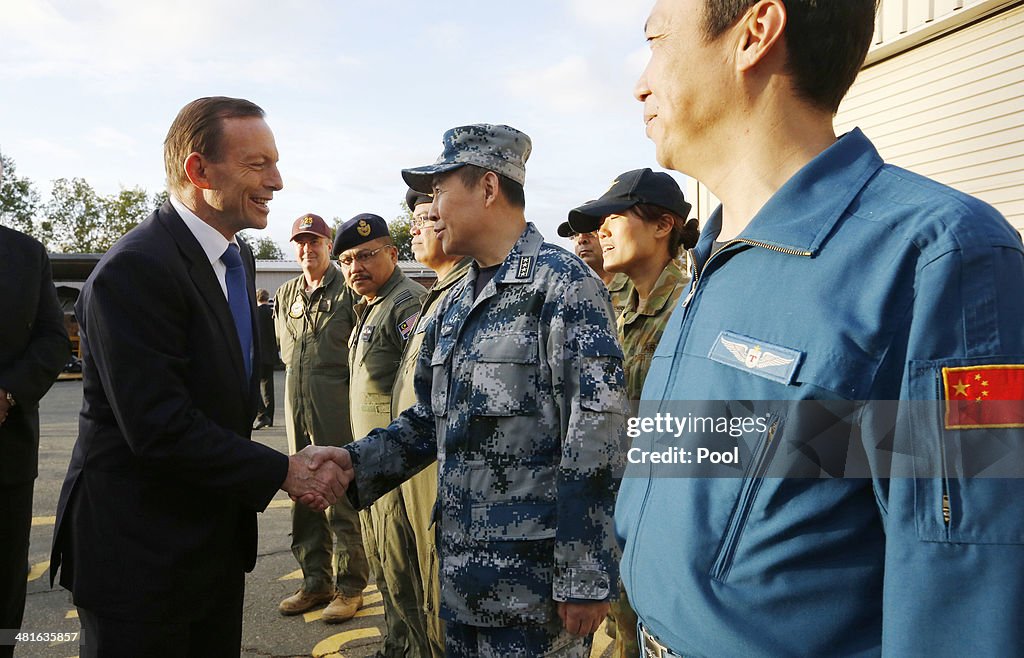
[{"x": 238, "y": 300}]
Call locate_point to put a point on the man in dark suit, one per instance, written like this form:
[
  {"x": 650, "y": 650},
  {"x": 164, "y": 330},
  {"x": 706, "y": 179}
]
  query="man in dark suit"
[
  {"x": 268, "y": 342},
  {"x": 33, "y": 348},
  {"x": 156, "y": 523}
]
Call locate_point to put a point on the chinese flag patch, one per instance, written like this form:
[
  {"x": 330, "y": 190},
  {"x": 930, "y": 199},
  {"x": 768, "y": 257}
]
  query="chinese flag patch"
[{"x": 984, "y": 396}]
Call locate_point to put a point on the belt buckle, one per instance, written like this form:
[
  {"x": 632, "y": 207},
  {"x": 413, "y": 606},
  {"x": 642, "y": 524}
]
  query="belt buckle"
[{"x": 653, "y": 648}]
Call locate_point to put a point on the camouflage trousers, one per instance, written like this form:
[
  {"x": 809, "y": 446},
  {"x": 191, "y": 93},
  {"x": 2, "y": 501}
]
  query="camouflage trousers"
[
  {"x": 391, "y": 550},
  {"x": 525, "y": 641}
]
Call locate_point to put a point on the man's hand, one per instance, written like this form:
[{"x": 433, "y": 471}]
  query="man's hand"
[
  {"x": 582, "y": 619},
  {"x": 315, "y": 477}
]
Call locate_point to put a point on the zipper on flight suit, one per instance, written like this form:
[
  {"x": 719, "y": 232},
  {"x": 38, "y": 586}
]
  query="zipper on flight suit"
[
  {"x": 754, "y": 243},
  {"x": 748, "y": 493}
]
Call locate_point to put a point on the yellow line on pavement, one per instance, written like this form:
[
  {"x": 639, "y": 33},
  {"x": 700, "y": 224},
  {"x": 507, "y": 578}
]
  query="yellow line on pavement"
[
  {"x": 370, "y": 611},
  {"x": 43, "y": 520},
  {"x": 332, "y": 645},
  {"x": 38, "y": 570},
  {"x": 72, "y": 614},
  {"x": 274, "y": 504},
  {"x": 295, "y": 575}
]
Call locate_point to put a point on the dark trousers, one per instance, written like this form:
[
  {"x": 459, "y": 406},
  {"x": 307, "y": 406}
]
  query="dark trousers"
[
  {"x": 15, "y": 526},
  {"x": 266, "y": 409},
  {"x": 218, "y": 633}
]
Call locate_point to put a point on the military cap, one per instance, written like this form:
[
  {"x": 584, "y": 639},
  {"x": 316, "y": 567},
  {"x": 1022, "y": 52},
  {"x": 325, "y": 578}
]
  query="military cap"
[
  {"x": 358, "y": 230},
  {"x": 312, "y": 224},
  {"x": 414, "y": 198},
  {"x": 629, "y": 189},
  {"x": 565, "y": 231},
  {"x": 501, "y": 149}
]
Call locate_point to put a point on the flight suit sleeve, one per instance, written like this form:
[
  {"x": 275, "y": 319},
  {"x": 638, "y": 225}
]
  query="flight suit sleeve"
[
  {"x": 954, "y": 509},
  {"x": 587, "y": 376}
]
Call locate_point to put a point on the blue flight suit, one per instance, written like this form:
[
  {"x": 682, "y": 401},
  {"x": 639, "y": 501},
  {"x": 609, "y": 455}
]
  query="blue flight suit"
[{"x": 858, "y": 520}]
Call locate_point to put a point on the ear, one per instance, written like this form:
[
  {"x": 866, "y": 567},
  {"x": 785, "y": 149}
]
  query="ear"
[
  {"x": 490, "y": 188},
  {"x": 762, "y": 28},
  {"x": 195, "y": 169},
  {"x": 394, "y": 254},
  {"x": 664, "y": 226}
]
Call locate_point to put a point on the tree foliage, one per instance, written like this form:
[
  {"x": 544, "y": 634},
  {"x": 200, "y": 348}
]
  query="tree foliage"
[
  {"x": 401, "y": 233},
  {"x": 263, "y": 248},
  {"x": 19, "y": 200}
]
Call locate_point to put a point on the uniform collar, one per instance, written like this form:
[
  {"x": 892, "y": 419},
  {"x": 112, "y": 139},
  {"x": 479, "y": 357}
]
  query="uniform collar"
[
  {"x": 670, "y": 278},
  {"x": 619, "y": 282},
  {"x": 454, "y": 275},
  {"x": 521, "y": 262},
  {"x": 802, "y": 213}
]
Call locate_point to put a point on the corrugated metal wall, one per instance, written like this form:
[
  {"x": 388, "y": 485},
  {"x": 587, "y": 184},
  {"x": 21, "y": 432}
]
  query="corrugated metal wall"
[{"x": 951, "y": 108}]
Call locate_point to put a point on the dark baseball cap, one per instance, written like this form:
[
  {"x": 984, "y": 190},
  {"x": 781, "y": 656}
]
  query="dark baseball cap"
[
  {"x": 358, "y": 230},
  {"x": 498, "y": 148},
  {"x": 414, "y": 198},
  {"x": 629, "y": 189},
  {"x": 312, "y": 224}
]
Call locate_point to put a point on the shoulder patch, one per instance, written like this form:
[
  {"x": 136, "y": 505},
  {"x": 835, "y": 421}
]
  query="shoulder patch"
[
  {"x": 406, "y": 326},
  {"x": 986, "y": 396}
]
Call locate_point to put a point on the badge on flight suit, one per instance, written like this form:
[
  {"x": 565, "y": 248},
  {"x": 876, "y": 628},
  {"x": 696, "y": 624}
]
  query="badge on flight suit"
[
  {"x": 406, "y": 326},
  {"x": 296, "y": 309},
  {"x": 367, "y": 333}
]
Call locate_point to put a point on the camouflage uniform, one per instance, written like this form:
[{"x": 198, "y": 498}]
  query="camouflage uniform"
[
  {"x": 383, "y": 327},
  {"x": 521, "y": 400},
  {"x": 640, "y": 326},
  {"x": 420, "y": 492},
  {"x": 620, "y": 289},
  {"x": 313, "y": 330}
]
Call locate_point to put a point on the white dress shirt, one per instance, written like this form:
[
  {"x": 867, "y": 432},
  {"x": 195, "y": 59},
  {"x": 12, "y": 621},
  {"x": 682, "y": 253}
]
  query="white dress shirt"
[{"x": 212, "y": 242}]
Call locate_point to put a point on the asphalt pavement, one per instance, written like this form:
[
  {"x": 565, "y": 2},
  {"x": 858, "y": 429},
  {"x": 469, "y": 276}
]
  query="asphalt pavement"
[{"x": 265, "y": 632}]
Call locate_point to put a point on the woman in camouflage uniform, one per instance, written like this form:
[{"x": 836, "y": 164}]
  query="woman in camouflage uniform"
[{"x": 642, "y": 226}]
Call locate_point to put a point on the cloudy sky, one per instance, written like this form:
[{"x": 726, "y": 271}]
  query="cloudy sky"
[{"x": 353, "y": 91}]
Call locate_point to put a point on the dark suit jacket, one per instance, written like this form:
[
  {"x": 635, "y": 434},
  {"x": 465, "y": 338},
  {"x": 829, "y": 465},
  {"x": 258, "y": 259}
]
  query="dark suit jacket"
[
  {"x": 33, "y": 348},
  {"x": 160, "y": 499},
  {"x": 268, "y": 341}
]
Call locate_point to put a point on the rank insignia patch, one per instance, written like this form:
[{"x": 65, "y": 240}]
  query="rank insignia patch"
[
  {"x": 525, "y": 265},
  {"x": 979, "y": 397}
]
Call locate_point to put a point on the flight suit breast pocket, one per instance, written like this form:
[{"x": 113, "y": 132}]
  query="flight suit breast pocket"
[
  {"x": 505, "y": 375},
  {"x": 966, "y": 435}
]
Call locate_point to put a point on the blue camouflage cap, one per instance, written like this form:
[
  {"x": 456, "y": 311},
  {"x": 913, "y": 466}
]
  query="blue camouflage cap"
[
  {"x": 361, "y": 228},
  {"x": 498, "y": 148}
]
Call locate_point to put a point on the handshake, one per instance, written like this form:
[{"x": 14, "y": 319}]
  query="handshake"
[{"x": 318, "y": 476}]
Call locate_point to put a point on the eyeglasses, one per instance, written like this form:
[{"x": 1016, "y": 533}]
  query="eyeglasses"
[
  {"x": 361, "y": 256},
  {"x": 418, "y": 223}
]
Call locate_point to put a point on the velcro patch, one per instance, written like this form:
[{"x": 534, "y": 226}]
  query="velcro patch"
[
  {"x": 757, "y": 357},
  {"x": 367, "y": 333},
  {"x": 406, "y": 326},
  {"x": 979, "y": 397}
]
